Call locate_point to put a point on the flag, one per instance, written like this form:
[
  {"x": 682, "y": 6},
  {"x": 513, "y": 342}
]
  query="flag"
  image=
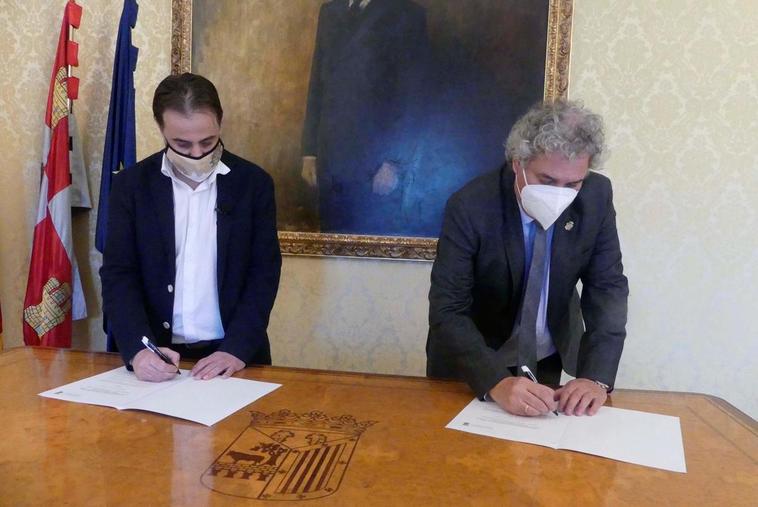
[
  {"x": 120, "y": 149},
  {"x": 53, "y": 289},
  {"x": 80, "y": 194}
]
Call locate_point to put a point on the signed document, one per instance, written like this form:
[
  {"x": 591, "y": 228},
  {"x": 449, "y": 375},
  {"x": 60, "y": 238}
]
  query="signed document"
[
  {"x": 625, "y": 435},
  {"x": 202, "y": 401}
]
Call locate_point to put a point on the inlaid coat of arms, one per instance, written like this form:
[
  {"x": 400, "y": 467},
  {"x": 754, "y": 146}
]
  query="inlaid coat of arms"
[{"x": 287, "y": 456}]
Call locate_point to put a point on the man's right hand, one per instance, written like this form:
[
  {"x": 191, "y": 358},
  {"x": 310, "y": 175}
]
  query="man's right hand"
[
  {"x": 148, "y": 366},
  {"x": 521, "y": 396},
  {"x": 309, "y": 171}
]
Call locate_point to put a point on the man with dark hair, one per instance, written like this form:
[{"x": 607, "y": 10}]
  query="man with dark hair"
[
  {"x": 192, "y": 259},
  {"x": 514, "y": 244}
]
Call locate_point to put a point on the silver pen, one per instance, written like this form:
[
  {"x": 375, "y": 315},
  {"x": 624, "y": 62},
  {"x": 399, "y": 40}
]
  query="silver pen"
[{"x": 531, "y": 376}]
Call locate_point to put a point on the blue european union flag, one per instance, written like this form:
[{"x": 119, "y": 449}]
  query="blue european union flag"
[
  {"x": 120, "y": 149},
  {"x": 120, "y": 139}
]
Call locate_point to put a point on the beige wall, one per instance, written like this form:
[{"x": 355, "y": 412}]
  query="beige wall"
[
  {"x": 29, "y": 32},
  {"x": 676, "y": 82}
]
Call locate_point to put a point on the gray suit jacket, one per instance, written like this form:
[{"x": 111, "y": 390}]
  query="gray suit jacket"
[{"x": 478, "y": 282}]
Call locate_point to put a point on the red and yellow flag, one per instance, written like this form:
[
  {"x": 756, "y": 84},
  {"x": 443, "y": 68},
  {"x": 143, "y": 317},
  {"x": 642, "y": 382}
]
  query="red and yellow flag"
[{"x": 53, "y": 286}]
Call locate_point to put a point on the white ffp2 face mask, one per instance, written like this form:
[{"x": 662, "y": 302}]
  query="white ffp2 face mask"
[
  {"x": 196, "y": 168},
  {"x": 545, "y": 203}
]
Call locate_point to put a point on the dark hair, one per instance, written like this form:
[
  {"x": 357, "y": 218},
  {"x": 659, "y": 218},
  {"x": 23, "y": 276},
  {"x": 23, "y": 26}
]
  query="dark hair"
[{"x": 186, "y": 93}]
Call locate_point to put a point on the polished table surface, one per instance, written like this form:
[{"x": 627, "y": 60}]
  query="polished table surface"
[{"x": 329, "y": 438}]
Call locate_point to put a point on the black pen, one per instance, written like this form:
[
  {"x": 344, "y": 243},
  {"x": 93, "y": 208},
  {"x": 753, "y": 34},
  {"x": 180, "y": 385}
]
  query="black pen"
[
  {"x": 531, "y": 376},
  {"x": 155, "y": 350}
]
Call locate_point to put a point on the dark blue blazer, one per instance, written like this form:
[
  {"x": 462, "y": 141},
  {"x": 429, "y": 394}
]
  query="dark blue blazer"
[
  {"x": 478, "y": 283},
  {"x": 139, "y": 262},
  {"x": 365, "y": 85}
]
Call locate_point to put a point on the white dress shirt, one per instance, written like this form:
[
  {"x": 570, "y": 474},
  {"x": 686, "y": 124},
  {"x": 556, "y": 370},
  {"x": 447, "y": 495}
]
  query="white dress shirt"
[{"x": 196, "y": 315}]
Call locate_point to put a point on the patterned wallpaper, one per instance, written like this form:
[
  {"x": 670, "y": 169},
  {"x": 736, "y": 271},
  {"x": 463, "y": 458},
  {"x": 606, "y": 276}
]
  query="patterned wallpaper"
[
  {"x": 352, "y": 314},
  {"x": 28, "y": 35},
  {"x": 677, "y": 84}
]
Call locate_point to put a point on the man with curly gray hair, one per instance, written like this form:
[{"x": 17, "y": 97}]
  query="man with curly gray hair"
[{"x": 514, "y": 245}]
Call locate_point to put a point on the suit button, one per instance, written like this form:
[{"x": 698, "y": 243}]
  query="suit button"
[
  {"x": 170, "y": 288},
  {"x": 166, "y": 325}
]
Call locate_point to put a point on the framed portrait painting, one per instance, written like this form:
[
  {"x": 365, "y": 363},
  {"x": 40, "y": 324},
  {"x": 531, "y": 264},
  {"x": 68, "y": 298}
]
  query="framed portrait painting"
[{"x": 369, "y": 114}]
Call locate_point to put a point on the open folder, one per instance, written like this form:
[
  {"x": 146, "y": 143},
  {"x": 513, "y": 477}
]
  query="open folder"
[
  {"x": 643, "y": 438},
  {"x": 202, "y": 401}
]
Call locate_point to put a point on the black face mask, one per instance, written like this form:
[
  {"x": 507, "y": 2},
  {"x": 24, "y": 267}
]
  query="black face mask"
[{"x": 169, "y": 147}]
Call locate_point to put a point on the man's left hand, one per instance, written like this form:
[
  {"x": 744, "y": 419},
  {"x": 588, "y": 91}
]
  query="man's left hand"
[
  {"x": 218, "y": 363},
  {"x": 386, "y": 179},
  {"x": 580, "y": 396}
]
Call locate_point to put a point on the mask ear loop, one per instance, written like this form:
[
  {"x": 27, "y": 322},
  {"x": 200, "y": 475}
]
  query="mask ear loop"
[{"x": 526, "y": 183}]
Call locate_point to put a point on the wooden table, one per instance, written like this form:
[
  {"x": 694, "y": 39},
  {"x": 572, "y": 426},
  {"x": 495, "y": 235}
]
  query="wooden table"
[{"x": 332, "y": 438}]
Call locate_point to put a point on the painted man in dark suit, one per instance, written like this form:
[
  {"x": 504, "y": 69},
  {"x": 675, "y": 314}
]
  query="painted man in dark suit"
[
  {"x": 495, "y": 307},
  {"x": 192, "y": 258},
  {"x": 359, "y": 137}
]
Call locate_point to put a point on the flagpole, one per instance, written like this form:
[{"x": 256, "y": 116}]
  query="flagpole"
[{"x": 68, "y": 71}]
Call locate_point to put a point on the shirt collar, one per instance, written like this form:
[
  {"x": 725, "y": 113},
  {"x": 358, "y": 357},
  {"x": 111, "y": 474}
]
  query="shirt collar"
[
  {"x": 221, "y": 168},
  {"x": 525, "y": 219}
]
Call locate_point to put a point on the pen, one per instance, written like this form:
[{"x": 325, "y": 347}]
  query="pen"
[
  {"x": 531, "y": 376},
  {"x": 155, "y": 350}
]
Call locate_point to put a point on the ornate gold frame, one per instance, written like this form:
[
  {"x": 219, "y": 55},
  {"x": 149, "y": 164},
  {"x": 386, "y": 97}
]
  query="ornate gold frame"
[{"x": 387, "y": 247}]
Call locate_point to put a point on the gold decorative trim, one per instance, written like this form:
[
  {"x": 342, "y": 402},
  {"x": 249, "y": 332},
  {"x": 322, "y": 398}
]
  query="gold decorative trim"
[
  {"x": 181, "y": 36},
  {"x": 349, "y": 245},
  {"x": 557, "y": 59},
  {"x": 558, "y": 51}
]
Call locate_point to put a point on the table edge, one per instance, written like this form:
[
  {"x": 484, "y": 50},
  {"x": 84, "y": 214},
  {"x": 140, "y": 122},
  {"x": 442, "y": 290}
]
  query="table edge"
[{"x": 748, "y": 422}]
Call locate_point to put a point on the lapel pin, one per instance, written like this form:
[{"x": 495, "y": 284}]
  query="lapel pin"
[{"x": 569, "y": 225}]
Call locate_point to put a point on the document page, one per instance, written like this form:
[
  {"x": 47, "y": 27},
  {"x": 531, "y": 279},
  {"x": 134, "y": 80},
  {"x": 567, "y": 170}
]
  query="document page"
[
  {"x": 202, "y": 401},
  {"x": 629, "y": 435},
  {"x": 488, "y": 419},
  {"x": 205, "y": 401},
  {"x": 115, "y": 388},
  {"x": 625, "y": 435}
]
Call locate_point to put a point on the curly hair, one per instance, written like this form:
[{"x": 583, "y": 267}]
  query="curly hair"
[{"x": 562, "y": 126}]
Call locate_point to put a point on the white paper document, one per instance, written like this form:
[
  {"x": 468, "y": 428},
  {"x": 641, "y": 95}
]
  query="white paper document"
[
  {"x": 202, "y": 401},
  {"x": 642, "y": 438}
]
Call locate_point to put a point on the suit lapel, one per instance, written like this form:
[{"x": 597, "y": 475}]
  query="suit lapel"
[
  {"x": 513, "y": 233},
  {"x": 371, "y": 14},
  {"x": 225, "y": 201},
  {"x": 162, "y": 194},
  {"x": 565, "y": 235}
]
